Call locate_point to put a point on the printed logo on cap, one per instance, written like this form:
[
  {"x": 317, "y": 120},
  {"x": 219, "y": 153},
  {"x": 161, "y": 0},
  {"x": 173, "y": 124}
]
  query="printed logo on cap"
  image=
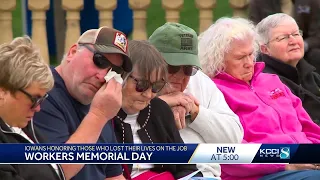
[
  {"x": 186, "y": 41},
  {"x": 121, "y": 41}
]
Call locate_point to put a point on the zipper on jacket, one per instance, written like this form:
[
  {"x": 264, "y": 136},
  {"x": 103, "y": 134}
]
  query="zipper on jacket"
[
  {"x": 58, "y": 165},
  {"x": 34, "y": 136},
  {"x": 295, "y": 140},
  {"x": 252, "y": 89},
  {"x": 226, "y": 76}
]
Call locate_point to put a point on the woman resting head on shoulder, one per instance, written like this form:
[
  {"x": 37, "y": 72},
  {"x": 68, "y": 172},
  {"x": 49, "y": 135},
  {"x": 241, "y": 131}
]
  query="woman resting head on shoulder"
[
  {"x": 144, "y": 118},
  {"x": 25, "y": 80},
  {"x": 267, "y": 109}
]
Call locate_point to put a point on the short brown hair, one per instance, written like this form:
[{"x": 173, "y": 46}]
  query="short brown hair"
[{"x": 146, "y": 59}]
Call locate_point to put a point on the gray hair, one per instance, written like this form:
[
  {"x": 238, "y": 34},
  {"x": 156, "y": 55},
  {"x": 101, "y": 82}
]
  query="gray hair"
[
  {"x": 21, "y": 64},
  {"x": 217, "y": 39},
  {"x": 146, "y": 59},
  {"x": 264, "y": 27}
]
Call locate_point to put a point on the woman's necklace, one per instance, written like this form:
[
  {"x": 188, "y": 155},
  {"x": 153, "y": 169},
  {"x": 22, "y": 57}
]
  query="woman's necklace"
[{"x": 143, "y": 126}]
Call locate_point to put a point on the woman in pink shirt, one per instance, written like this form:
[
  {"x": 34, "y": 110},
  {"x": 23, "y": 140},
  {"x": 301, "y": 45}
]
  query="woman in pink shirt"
[{"x": 268, "y": 111}]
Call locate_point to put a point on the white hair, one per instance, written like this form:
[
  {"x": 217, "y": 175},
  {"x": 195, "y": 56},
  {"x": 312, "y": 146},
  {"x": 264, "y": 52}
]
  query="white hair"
[
  {"x": 264, "y": 27},
  {"x": 217, "y": 39}
]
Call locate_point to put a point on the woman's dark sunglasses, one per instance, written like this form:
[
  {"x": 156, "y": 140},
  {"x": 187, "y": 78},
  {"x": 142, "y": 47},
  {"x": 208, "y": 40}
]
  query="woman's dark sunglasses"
[
  {"x": 143, "y": 85},
  {"x": 187, "y": 70},
  {"x": 36, "y": 101},
  {"x": 101, "y": 61}
]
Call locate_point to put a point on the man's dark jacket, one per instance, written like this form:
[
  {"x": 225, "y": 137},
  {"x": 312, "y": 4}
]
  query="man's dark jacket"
[
  {"x": 307, "y": 15},
  {"x": 260, "y": 9}
]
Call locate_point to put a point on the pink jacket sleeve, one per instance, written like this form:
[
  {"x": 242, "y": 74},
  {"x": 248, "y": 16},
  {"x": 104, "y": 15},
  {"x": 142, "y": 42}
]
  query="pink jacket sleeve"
[{"x": 310, "y": 128}]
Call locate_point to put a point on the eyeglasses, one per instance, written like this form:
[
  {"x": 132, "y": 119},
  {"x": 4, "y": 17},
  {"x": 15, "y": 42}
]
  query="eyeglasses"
[
  {"x": 36, "y": 101},
  {"x": 143, "y": 85},
  {"x": 286, "y": 37},
  {"x": 187, "y": 70},
  {"x": 101, "y": 61}
]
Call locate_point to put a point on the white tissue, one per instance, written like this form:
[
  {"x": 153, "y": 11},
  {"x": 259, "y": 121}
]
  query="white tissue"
[{"x": 112, "y": 74}]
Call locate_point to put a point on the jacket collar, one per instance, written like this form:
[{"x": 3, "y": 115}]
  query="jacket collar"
[
  {"x": 258, "y": 67},
  {"x": 305, "y": 68},
  {"x": 295, "y": 74},
  {"x": 4, "y": 127},
  {"x": 28, "y": 130}
]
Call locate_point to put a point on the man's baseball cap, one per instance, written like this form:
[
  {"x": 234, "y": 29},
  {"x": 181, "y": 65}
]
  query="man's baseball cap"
[
  {"x": 177, "y": 43},
  {"x": 108, "y": 40}
]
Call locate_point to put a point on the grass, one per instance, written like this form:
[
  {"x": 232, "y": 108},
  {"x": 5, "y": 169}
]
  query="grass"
[
  {"x": 189, "y": 16},
  {"x": 17, "y": 20}
]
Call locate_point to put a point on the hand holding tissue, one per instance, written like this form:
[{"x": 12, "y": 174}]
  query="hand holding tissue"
[{"x": 112, "y": 74}]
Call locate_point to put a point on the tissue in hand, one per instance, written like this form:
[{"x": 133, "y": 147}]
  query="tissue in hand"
[{"x": 112, "y": 74}]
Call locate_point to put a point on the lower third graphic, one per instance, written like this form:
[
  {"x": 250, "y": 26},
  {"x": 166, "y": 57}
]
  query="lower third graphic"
[{"x": 285, "y": 153}]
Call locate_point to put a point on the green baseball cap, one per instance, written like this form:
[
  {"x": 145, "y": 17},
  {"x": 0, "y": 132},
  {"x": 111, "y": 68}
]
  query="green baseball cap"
[{"x": 177, "y": 43}]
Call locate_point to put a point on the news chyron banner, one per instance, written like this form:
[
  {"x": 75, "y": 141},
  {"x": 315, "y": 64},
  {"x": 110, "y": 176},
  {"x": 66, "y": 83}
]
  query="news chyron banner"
[{"x": 159, "y": 153}]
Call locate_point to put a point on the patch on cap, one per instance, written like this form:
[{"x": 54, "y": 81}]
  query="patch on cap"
[
  {"x": 186, "y": 42},
  {"x": 121, "y": 41}
]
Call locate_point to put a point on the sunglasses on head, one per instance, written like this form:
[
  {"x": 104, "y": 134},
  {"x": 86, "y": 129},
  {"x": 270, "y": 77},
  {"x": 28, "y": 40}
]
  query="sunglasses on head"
[
  {"x": 101, "y": 61},
  {"x": 187, "y": 69},
  {"x": 36, "y": 101},
  {"x": 143, "y": 85}
]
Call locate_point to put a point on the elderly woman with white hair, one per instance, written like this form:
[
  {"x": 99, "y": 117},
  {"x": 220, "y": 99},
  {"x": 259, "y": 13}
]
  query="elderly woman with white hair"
[
  {"x": 282, "y": 50},
  {"x": 267, "y": 109}
]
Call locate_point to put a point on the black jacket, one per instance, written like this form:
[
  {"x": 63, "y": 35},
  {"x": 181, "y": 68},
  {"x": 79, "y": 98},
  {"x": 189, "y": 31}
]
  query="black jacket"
[
  {"x": 25, "y": 171},
  {"x": 306, "y": 13},
  {"x": 259, "y": 9},
  {"x": 161, "y": 128},
  {"x": 302, "y": 80}
]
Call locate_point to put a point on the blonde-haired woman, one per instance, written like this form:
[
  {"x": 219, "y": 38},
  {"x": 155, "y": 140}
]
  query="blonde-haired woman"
[{"x": 25, "y": 80}]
